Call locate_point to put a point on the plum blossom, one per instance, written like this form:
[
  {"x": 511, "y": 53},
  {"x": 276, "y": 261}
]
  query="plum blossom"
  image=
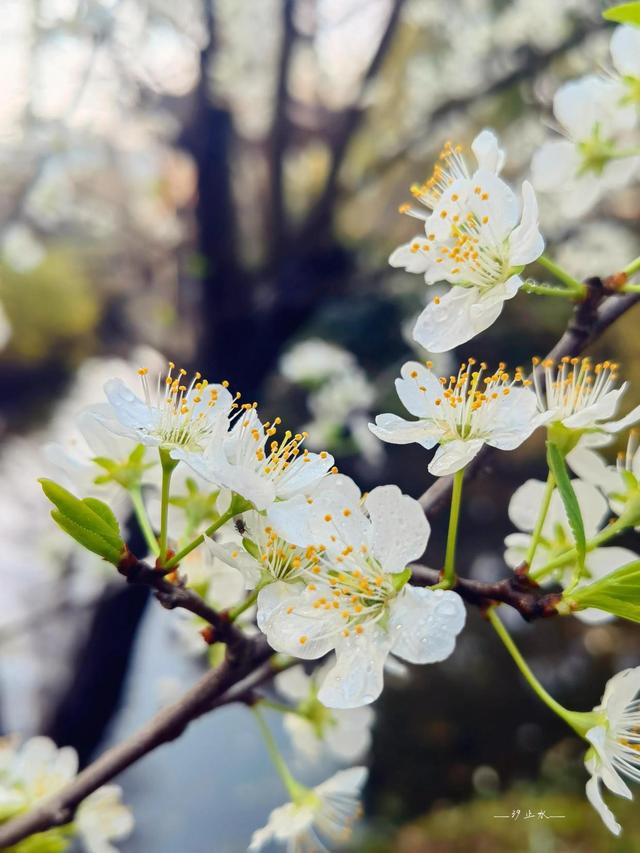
[
  {"x": 252, "y": 462},
  {"x": 582, "y": 168},
  {"x": 556, "y": 537},
  {"x": 460, "y": 413},
  {"x": 314, "y": 361},
  {"x": 478, "y": 238},
  {"x": 625, "y": 53},
  {"x": 320, "y": 820},
  {"x": 38, "y": 769},
  {"x": 619, "y": 482},
  {"x": 313, "y": 727},
  {"x": 615, "y": 743},
  {"x": 358, "y": 602},
  {"x": 172, "y": 415},
  {"x": 582, "y": 397}
]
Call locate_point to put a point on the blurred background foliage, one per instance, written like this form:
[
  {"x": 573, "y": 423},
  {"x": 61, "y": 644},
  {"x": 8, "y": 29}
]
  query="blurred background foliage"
[{"x": 219, "y": 180}]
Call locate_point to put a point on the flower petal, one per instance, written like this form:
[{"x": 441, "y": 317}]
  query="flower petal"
[
  {"x": 454, "y": 455},
  {"x": 399, "y": 528},
  {"x": 424, "y": 624},
  {"x": 594, "y": 795},
  {"x": 396, "y": 430},
  {"x": 357, "y": 677}
]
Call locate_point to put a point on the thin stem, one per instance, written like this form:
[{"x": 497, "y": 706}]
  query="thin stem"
[
  {"x": 633, "y": 267},
  {"x": 143, "y": 520},
  {"x": 548, "y": 290},
  {"x": 631, "y": 288},
  {"x": 245, "y": 605},
  {"x": 449, "y": 577},
  {"x": 542, "y": 517},
  {"x": 523, "y": 666},
  {"x": 568, "y": 556},
  {"x": 562, "y": 275},
  {"x": 227, "y": 516},
  {"x": 279, "y": 706},
  {"x": 168, "y": 467},
  {"x": 295, "y": 789}
]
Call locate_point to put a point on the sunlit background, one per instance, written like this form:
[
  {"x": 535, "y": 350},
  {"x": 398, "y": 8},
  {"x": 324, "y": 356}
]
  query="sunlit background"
[{"x": 219, "y": 180}]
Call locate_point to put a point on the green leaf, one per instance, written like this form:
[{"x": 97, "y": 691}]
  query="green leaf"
[
  {"x": 625, "y": 13},
  {"x": 617, "y": 593},
  {"x": 88, "y": 538},
  {"x": 82, "y": 514},
  {"x": 558, "y": 468},
  {"x": 105, "y": 513}
]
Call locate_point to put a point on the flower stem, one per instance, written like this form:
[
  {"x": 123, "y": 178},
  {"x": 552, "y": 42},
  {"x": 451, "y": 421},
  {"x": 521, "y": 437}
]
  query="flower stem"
[
  {"x": 227, "y": 516},
  {"x": 633, "y": 267},
  {"x": 245, "y": 605},
  {"x": 568, "y": 716},
  {"x": 562, "y": 275},
  {"x": 143, "y": 520},
  {"x": 296, "y": 791},
  {"x": 542, "y": 517},
  {"x": 279, "y": 706},
  {"x": 568, "y": 556},
  {"x": 168, "y": 467},
  {"x": 449, "y": 575},
  {"x": 548, "y": 290}
]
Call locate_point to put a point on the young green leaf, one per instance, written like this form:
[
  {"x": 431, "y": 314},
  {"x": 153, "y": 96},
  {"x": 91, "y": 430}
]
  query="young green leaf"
[
  {"x": 82, "y": 514},
  {"x": 625, "y": 13},
  {"x": 88, "y": 538},
  {"x": 558, "y": 468},
  {"x": 617, "y": 593},
  {"x": 104, "y": 512}
]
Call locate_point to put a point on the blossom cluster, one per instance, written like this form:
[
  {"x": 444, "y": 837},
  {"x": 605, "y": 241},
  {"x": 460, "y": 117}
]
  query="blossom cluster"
[{"x": 239, "y": 508}]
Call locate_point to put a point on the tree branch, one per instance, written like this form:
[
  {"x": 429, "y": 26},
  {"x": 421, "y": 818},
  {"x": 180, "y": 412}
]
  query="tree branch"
[{"x": 167, "y": 725}]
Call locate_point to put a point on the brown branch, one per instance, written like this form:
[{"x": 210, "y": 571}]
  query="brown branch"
[
  {"x": 209, "y": 692},
  {"x": 590, "y": 319},
  {"x": 518, "y": 591},
  {"x": 174, "y": 593}
]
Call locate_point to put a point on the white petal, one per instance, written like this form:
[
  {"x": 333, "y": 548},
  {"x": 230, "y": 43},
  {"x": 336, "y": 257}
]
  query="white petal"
[
  {"x": 416, "y": 376},
  {"x": 628, "y": 420},
  {"x": 591, "y": 467},
  {"x": 625, "y": 51},
  {"x": 453, "y": 456},
  {"x": 526, "y": 242},
  {"x": 524, "y": 505},
  {"x": 553, "y": 165},
  {"x": 399, "y": 528},
  {"x": 597, "y": 736},
  {"x": 497, "y": 201},
  {"x": 396, "y": 430},
  {"x": 405, "y": 258},
  {"x": 603, "y": 409},
  {"x": 303, "y": 473},
  {"x": 487, "y": 152},
  {"x": 295, "y": 627},
  {"x": 460, "y": 315},
  {"x": 350, "y": 737},
  {"x": 357, "y": 677},
  {"x": 235, "y": 556},
  {"x": 424, "y": 624},
  {"x": 620, "y": 691},
  {"x": 594, "y": 795},
  {"x": 293, "y": 683}
]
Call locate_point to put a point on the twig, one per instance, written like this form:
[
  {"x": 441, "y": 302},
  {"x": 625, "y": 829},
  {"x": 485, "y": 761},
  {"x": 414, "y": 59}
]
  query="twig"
[
  {"x": 166, "y": 726},
  {"x": 518, "y": 591}
]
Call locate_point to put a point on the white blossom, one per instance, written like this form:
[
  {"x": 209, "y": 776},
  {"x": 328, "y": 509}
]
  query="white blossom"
[
  {"x": 315, "y": 360},
  {"x": 38, "y": 769},
  {"x": 615, "y": 743},
  {"x": 320, "y": 821},
  {"x": 582, "y": 397},
  {"x": 460, "y": 413},
  {"x": 619, "y": 482},
  {"x": 556, "y": 537},
  {"x": 172, "y": 414},
  {"x": 583, "y": 168},
  {"x": 477, "y": 237},
  {"x": 358, "y": 602},
  {"x": 625, "y": 53},
  {"x": 250, "y": 461},
  {"x": 345, "y": 733}
]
